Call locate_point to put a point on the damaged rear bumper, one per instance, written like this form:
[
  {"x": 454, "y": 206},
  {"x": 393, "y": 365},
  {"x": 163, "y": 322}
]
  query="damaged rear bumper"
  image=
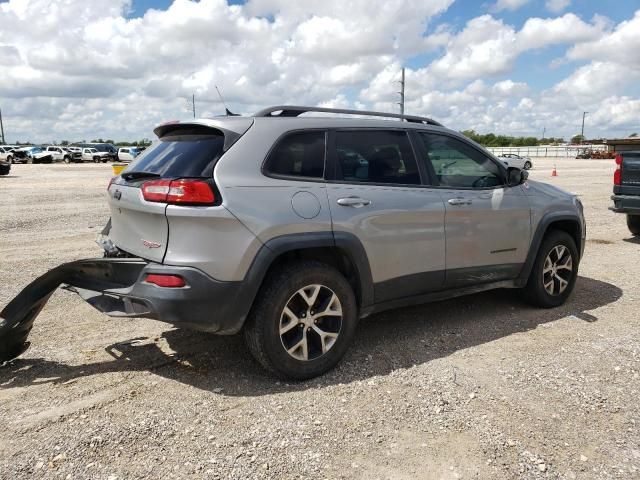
[{"x": 117, "y": 287}]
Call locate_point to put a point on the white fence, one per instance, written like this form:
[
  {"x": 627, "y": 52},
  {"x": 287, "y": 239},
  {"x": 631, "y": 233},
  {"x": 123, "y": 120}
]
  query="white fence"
[{"x": 547, "y": 151}]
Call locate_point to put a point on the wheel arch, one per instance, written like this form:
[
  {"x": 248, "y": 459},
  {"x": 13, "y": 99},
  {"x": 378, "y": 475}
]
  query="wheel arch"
[
  {"x": 569, "y": 223},
  {"x": 341, "y": 250}
]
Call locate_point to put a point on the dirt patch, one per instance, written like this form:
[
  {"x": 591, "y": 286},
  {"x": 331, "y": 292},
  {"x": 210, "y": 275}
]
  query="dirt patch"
[{"x": 477, "y": 387}]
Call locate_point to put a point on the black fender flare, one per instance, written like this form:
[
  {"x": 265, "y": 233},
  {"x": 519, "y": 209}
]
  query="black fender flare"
[
  {"x": 273, "y": 248},
  {"x": 543, "y": 226}
]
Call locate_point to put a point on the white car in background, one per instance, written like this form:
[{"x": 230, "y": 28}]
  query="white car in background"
[
  {"x": 61, "y": 154},
  {"x": 515, "y": 160},
  {"x": 92, "y": 154},
  {"x": 31, "y": 155},
  {"x": 127, "y": 154},
  {"x": 6, "y": 153}
]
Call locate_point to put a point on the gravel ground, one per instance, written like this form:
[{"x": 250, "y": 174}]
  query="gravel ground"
[{"x": 478, "y": 387}]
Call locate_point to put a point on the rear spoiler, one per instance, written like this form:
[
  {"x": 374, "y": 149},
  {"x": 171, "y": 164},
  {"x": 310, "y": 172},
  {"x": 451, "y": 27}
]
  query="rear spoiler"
[{"x": 230, "y": 128}]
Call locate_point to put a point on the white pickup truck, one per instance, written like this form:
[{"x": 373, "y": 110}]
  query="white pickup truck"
[
  {"x": 60, "y": 154},
  {"x": 92, "y": 154}
]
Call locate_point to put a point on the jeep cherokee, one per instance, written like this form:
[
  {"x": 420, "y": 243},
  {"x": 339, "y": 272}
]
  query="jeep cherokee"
[{"x": 292, "y": 228}]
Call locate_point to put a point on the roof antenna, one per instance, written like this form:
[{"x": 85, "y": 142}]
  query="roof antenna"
[{"x": 227, "y": 111}]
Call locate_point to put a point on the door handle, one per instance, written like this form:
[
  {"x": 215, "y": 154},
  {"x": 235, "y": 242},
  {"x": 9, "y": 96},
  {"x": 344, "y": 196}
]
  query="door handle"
[
  {"x": 353, "y": 202},
  {"x": 459, "y": 201}
]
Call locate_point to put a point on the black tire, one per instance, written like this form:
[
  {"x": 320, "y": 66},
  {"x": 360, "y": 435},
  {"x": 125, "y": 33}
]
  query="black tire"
[
  {"x": 96, "y": 159},
  {"x": 633, "y": 222},
  {"x": 10, "y": 159},
  {"x": 66, "y": 159},
  {"x": 262, "y": 329},
  {"x": 535, "y": 291},
  {"x": 527, "y": 165}
]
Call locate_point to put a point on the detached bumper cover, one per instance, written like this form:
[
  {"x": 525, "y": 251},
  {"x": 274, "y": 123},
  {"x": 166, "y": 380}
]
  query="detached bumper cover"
[
  {"x": 116, "y": 287},
  {"x": 626, "y": 204}
]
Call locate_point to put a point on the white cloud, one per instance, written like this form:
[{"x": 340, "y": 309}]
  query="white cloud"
[
  {"x": 508, "y": 5},
  {"x": 557, "y": 6},
  {"x": 620, "y": 46},
  {"x": 487, "y": 46},
  {"x": 89, "y": 70}
]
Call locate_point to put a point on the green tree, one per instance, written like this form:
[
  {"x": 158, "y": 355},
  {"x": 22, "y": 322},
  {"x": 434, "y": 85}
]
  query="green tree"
[{"x": 577, "y": 139}]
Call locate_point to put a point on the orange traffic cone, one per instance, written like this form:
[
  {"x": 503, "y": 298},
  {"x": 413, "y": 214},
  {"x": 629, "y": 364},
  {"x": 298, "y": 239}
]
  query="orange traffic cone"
[{"x": 554, "y": 172}]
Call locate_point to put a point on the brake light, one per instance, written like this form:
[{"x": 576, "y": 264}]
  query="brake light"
[
  {"x": 178, "y": 192},
  {"x": 165, "y": 281},
  {"x": 156, "y": 190},
  {"x": 617, "y": 175}
]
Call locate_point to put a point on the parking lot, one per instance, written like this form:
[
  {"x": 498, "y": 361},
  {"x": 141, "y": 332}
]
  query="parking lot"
[{"x": 478, "y": 387}]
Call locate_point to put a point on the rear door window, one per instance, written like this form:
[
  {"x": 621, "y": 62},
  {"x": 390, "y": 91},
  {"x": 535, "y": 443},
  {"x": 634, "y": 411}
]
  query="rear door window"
[
  {"x": 375, "y": 156},
  {"x": 189, "y": 152},
  {"x": 299, "y": 154}
]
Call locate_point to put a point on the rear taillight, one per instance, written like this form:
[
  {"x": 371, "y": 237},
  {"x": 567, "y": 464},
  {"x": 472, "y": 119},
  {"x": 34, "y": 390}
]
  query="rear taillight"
[
  {"x": 617, "y": 175},
  {"x": 165, "y": 281},
  {"x": 179, "y": 192},
  {"x": 156, "y": 190}
]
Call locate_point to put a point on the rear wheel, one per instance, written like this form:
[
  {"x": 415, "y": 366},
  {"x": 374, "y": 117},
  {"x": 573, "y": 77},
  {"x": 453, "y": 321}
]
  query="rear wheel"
[
  {"x": 66, "y": 159},
  {"x": 633, "y": 222},
  {"x": 302, "y": 321},
  {"x": 554, "y": 272}
]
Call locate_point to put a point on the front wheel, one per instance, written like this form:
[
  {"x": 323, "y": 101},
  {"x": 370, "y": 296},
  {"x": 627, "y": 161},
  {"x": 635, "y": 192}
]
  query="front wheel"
[
  {"x": 633, "y": 222},
  {"x": 527, "y": 165},
  {"x": 10, "y": 159},
  {"x": 554, "y": 272},
  {"x": 302, "y": 321}
]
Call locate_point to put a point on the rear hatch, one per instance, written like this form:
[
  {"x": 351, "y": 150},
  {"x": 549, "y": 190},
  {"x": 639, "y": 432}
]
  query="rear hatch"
[
  {"x": 183, "y": 153},
  {"x": 630, "y": 175}
]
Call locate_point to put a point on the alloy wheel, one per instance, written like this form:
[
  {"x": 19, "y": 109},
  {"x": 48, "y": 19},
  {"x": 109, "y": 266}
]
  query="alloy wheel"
[
  {"x": 557, "y": 270},
  {"x": 310, "y": 322}
]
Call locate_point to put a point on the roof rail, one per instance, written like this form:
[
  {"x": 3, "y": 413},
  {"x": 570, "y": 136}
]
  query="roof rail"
[{"x": 294, "y": 111}]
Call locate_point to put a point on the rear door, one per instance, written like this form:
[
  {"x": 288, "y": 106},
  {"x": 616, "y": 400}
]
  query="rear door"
[
  {"x": 376, "y": 193},
  {"x": 488, "y": 224},
  {"x": 140, "y": 227}
]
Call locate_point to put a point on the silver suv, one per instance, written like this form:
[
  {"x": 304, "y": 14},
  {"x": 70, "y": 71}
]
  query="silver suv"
[{"x": 290, "y": 229}]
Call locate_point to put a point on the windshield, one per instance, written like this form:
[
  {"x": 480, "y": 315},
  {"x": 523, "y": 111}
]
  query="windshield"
[{"x": 187, "y": 154}]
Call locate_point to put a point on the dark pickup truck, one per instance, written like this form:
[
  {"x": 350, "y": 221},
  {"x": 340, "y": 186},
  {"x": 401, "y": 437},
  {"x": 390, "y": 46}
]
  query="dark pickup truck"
[{"x": 626, "y": 189}]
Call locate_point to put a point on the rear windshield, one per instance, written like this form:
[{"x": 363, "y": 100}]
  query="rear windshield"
[{"x": 191, "y": 153}]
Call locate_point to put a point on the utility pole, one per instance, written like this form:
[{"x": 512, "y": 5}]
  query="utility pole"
[
  {"x": 582, "y": 131},
  {"x": 1, "y": 129},
  {"x": 193, "y": 101},
  {"x": 401, "y": 92},
  {"x": 544, "y": 130}
]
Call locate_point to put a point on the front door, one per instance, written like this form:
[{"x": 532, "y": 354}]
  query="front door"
[
  {"x": 487, "y": 223},
  {"x": 376, "y": 194}
]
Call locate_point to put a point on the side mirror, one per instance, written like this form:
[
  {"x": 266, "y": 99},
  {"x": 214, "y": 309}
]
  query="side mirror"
[{"x": 516, "y": 177}]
